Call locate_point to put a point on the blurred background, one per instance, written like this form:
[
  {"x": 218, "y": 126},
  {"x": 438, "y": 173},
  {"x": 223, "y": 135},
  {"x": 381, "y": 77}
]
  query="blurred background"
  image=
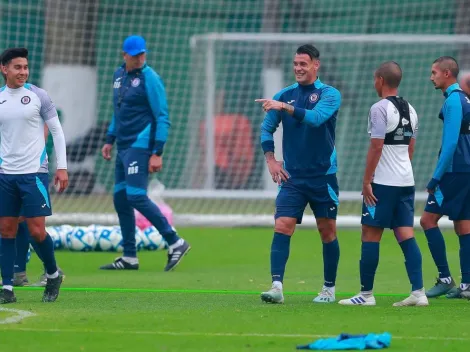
[{"x": 216, "y": 57}]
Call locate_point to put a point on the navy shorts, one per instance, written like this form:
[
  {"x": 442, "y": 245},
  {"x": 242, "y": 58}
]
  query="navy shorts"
[
  {"x": 25, "y": 195},
  {"x": 321, "y": 193},
  {"x": 394, "y": 207},
  {"x": 451, "y": 197},
  {"x": 131, "y": 173}
]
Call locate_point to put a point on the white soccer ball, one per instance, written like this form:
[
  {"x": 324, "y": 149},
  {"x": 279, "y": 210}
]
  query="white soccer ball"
[
  {"x": 154, "y": 240},
  {"x": 80, "y": 239},
  {"x": 109, "y": 239},
  {"x": 64, "y": 232},
  {"x": 139, "y": 239},
  {"x": 55, "y": 232}
]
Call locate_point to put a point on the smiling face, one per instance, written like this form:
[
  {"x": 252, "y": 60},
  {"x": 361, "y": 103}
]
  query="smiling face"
[
  {"x": 16, "y": 72},
  {"x": 305, "y": 69}
]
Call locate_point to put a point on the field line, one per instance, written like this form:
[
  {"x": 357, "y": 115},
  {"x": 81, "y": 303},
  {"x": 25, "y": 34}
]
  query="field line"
[
  {"x": 18, "y": 316},
  {"x": 223, "y": 334}
]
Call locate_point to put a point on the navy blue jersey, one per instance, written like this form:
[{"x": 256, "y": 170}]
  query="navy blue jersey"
[
  {"x": 140, "y": 118},
  {"x": 455, "y": 149},
  {"x": 308, "y": 141}
]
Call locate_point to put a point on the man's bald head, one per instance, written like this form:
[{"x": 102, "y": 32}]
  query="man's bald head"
[
  {"x": 391, "y": 73},
  {"x": 448, "y": 63}
]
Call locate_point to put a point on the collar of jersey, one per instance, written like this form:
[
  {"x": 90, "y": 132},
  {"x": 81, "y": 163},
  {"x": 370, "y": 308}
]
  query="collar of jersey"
[
  {"x": 451, "y": 88},
  {"x": 16, "y": 90},
  {"x": 317, "y": 84},
  {"x": 134, "y": 70}
]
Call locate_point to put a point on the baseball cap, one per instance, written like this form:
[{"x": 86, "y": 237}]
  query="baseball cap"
[{"x": 134, "y": 45}]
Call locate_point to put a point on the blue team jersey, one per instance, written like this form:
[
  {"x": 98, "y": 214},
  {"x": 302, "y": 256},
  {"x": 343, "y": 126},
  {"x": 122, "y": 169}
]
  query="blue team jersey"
[
  {"x": 140, "y": 118},
  {"x": 455, "y": 150},
  {"x": 309, "y": 134}
]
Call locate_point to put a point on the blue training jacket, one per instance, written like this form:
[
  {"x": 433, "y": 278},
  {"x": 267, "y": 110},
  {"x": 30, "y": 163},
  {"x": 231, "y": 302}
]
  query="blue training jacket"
[
  {"x": 140, "y": 118},
  {"x": 455, "y": 149},
  {"x": 308, "y": 142}
]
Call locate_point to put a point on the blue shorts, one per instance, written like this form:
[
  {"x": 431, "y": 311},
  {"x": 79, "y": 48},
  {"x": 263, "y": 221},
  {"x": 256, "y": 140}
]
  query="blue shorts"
[
  {"x": 25, "y": 195},
  {"x": 321, "y": 193},
  {"x": 131, "y": 173},
  {"x": 451, "y": 197},
  {"x": 394, "y": 207}
]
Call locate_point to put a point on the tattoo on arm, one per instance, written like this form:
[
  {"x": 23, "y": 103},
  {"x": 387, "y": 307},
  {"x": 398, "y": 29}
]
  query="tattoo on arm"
[
  {"x": 269, "y": 156},
  {"x": 288, "y": 108}
]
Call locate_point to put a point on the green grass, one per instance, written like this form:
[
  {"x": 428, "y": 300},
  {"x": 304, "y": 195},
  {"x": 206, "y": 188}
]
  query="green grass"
[{"x": 176, "y": 312}]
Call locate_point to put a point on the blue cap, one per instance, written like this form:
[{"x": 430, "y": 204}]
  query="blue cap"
[{"x": 134, "y": 45}]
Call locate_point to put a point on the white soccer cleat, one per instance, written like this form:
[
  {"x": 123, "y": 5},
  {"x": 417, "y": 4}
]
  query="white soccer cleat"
[
  {"x": 413, "y": 300},
  {"x": 274, "y": 295},
  {"x": 359, "y": 300},
  {"x": 327, "y": 295}
]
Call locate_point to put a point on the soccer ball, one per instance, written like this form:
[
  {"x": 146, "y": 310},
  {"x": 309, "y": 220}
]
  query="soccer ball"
[
  {"x": 154, "y": 240},
  {"x": 109, "y": 239},
  {"x": 64, "y": 232},
  {"x": 55, "y": 232},
  {"x": 80, "y": 239},
  {"x": 139, "y": 239}
]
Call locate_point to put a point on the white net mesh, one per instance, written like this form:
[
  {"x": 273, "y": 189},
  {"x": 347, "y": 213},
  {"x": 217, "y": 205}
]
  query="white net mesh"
[{"x": 213, "y": 161}]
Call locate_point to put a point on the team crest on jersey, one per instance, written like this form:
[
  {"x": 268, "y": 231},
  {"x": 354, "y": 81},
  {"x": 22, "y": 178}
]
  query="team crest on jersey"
[
  {"x": 135, "y": 82},
  {"x": 25, "y": 100},
  {"x": 313, "y": 97}
]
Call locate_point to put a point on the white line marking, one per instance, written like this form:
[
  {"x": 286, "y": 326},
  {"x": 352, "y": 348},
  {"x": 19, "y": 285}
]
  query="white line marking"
[
  {"x": 226, "y": 334},
  {"x": 20, "y": 315}
]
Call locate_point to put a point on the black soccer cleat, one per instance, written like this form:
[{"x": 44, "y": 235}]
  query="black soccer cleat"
[
  {"x": 175, "y": 255},
  {"x": 51, "y": 292},
  {"x": 7, "y": 296},
  {"x": 120, "y": 264}
]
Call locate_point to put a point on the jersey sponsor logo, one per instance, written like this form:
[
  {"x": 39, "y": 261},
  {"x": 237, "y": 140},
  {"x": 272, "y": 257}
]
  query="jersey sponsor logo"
[
  {"x": 117, "y": 83},
  {"x": 399, "y": 134},
  {"x": 135, "y": 82},
  {"x": 291, "y": 101},
  {"x": 365, "y": 214},
  {"x": 1, "y": 102},
  {"x": 313, "y": 97},
  {"x": 25, "y": 100}
]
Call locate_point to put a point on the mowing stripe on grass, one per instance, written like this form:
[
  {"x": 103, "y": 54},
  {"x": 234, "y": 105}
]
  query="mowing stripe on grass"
[
  {"x": 222, "y": 334},
  {"x": 163, "y": 290},
  {"x": 19, "y": 315}
]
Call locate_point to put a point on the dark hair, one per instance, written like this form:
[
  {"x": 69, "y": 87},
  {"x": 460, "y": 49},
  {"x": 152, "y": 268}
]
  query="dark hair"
[
  {"x": 448, "y": 63},
  {"x": 13, "y": 53},
  {"x": 391, "y": 72},
  {"x": 310, "y": 50}
]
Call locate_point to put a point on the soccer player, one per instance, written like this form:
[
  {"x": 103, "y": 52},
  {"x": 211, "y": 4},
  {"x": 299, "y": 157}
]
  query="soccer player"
[
  {"x": 308, "y": 111},
  {"x": 140, "y": 128},
  {"x": 388, "y": 187},
  {"x": 449, "y": 187},
  {"x": 24, "y": 109}
]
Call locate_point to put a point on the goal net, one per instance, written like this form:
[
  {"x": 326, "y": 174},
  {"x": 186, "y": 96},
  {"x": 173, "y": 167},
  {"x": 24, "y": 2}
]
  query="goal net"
[{"x": 216, "y": 58}]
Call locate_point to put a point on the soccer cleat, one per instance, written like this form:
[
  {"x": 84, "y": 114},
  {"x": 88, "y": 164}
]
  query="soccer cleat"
[
  {"x": 120, "y": 264},
  {"x": 51, "y": 292},
  {"x": 413, "y": 300},
  {"x": 176, "y": 254},
  {"x": 327, "y": 295},
  {"x": 359, "y": 300},
  {"x": 465, "y": 293},
  {"x": 7, "y": 296},
  {"x": 454, "y": 293},
  {"x": 43, "y": 279},
  {"x": 274, "y": 295},
  {"x": 440, "y": 289},
  {"x": 20, "y": 279}
]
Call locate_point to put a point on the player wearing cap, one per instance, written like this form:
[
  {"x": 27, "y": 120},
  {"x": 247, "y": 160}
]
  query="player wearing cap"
[
  {"x": 139, "y": 127},
  {"x": 24, "y": 110}
]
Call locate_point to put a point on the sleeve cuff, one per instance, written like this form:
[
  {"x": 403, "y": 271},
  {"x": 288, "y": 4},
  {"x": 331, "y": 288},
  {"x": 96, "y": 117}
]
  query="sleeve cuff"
[
  {"x": 158, "y": 148},
  {"x": 432, "y": 184},
  {"x": 110, "y": 139},
  {"x": 299, "y": 114},
  {"x": 268, "y": 146}
]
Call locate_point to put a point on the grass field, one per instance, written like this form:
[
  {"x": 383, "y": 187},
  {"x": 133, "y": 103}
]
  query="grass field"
[{"x": 211, "y": 302}]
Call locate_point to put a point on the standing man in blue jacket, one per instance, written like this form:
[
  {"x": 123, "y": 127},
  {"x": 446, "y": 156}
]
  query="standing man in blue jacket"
[
  {"x": 139, "y": 126},
  {"x": 449, "y": 187},
  {"x": 308, "y": 111}
]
